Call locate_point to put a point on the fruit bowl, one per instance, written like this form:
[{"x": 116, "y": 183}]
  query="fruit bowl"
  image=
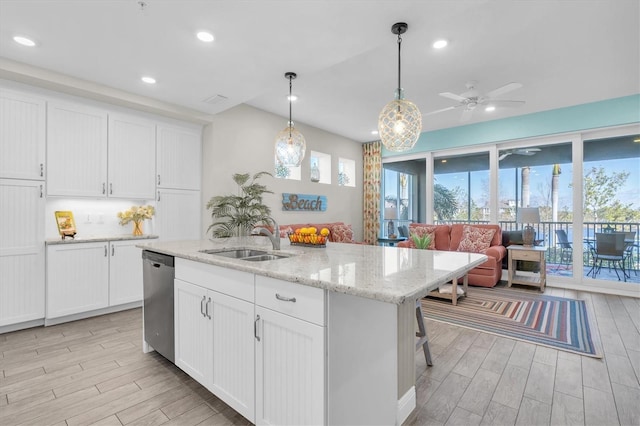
[{"x": 307, "y": 240}]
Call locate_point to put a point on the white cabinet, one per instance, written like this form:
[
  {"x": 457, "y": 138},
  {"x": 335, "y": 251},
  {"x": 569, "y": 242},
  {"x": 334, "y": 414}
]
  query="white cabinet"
[
  {"x": 193, "y": 331},
  {"x": 290, "y": 353},
  {"x": 22, "y": 136},
  {"x": 22, "y": 284},
  {"x": 93, "y": 154},
  {"x": 83, "y": 277},
  {"x": 178, "y": 158},
  {"x": 77, "y": 278},
  {"x": 214, "y": 331},
  {"x": 76, "y": 150},
  {"x": 132, "y": 165},
  {"x": 125, "y": 272},
  {"x": 177, "y": 215}
]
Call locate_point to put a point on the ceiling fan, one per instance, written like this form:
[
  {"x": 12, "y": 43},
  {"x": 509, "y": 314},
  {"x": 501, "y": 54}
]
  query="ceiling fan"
[
  {"x": 472, "y": 98},
  {"x": 519, "y": 151}
]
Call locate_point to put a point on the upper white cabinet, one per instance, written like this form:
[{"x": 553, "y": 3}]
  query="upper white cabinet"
[
  {"x": 178, "y": 158},
  {"x": 76, "y": 150},
  {"x": 21, "y": 251},
  {"x": 93, "y": 154},
  {"x": 177, "y": 215},
  {"x": 22, "y": 136},
  {"x": 132, "y": 162}
]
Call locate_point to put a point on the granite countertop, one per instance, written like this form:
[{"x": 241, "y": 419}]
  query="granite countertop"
[
  {"x": 387, "y": 274},
  {"x": 97, "y": 239}
]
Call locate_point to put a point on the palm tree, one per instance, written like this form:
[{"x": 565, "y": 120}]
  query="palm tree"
[{"x": 239, "y": 214}]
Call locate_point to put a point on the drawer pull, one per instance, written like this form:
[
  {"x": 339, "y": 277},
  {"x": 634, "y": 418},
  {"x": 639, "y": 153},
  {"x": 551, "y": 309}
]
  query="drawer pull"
[
  {"x": 285, "y": 299},
  {"x": 202, "y": 306}
]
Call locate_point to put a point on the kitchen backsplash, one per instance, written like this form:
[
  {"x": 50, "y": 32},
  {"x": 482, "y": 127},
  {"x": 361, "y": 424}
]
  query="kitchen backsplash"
[{"x": 93, "y": 217}]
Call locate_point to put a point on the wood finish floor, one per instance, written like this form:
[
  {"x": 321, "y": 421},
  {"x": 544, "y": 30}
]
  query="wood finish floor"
[{"x": 93, "y": 371}]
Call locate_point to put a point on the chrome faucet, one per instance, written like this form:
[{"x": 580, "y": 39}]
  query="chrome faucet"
[{"x": 274, "y": 237}]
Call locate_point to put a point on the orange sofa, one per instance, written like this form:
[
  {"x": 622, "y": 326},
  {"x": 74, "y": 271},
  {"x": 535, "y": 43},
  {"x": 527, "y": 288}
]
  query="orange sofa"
[{"x": 448, "y": 238}]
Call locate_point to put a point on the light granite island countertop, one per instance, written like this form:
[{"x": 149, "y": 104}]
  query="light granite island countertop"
[
  {"x": 344, "y": 350},
  {"x": 387, "y": 274}
]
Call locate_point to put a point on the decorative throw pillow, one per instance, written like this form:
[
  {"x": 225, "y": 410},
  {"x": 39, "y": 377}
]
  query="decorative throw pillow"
[
  {"x": 284, "y": 232},
  {"x": 341, "y": 234},
  {"x": 475, "y": 240},
  {"x": 420, "y": 231}
]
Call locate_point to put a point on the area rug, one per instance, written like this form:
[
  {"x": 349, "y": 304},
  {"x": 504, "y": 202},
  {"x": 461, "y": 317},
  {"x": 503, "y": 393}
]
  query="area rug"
[{"x": 550, "y": 321}]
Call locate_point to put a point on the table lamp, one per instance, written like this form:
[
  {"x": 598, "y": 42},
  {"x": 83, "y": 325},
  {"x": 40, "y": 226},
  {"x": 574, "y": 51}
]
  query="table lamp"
[
  {"x": 528, "y": 215},
  {"x": 391, "y": 214}
]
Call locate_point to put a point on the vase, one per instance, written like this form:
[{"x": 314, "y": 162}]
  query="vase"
[{"x": 137, "y": 228}]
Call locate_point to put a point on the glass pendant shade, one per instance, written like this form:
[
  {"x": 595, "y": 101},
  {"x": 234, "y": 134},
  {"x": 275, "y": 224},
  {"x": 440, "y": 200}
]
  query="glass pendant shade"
[
  {"x": 399, "y": 125},
  {"x": 400, "y": 121},
  {"x": 290, "y": 147}
]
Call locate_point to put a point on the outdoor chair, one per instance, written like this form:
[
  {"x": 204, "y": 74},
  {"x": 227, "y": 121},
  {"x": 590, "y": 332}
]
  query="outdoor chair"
[
  {"x": 566, "y": 249},
  {"x": 610, "y": 248},
  {"x": 630, "y": 246}
]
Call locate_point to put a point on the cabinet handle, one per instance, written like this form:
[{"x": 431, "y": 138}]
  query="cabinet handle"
[
  {"x": 202, "y": 306},
  {"x": 104, "y": 188},
  {"x": 41, "y": 191},
  {"x": 255, "y": 328},
  {"x": 113, "y": 250},
  {"x": 41, "y": 170},
  {"x": 105, "y": 251},
  {"x": 111, "y": 188},
  {"x": 158, "y": 195},
  {"x": 285, "y": 299},
  {"x": 158, "y": 179},
  {"x": 207, "y": 308}
]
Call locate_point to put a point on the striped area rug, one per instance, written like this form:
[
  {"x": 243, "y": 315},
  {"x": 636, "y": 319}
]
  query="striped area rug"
[{"x": 550, "y": 321}]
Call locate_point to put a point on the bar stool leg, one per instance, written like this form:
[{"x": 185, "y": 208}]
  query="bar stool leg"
[{"x": 422, "y": 334}]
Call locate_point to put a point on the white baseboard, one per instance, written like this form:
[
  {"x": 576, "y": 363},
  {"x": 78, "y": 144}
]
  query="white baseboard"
[
  {"x": 406, "y": 405},
  {"x": 88, "y": 314}
]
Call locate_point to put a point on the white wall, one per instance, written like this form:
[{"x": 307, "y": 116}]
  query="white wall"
[{"x": 241, "y": 140}]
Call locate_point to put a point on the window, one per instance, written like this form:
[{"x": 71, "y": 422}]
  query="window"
[
  {"x": 346, "y": 172},
  {"x": 286, "y": 172},
  {"x": 319, "y": 167},
  {"x": 461, "y": 188}
]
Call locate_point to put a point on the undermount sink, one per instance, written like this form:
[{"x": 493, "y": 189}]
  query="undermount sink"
[
  {"x": 235, "y": 253},
  {"x": 246, "y": 254},
  {"x": 264, "y": 257}
]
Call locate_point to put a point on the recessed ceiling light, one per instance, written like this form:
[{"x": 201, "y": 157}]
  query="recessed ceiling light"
[
  {"x": 490, "y": 108},
  {"x": 149, "y": 80},
  {"x": 205, "y": 36},
  {"x": 24, "y": 41},
  {"x": 374, "y": 132},
  {"x": 292, "y": 98},
  {"x": 439, "y": 44},
  {"x": 443, "y": 161}
]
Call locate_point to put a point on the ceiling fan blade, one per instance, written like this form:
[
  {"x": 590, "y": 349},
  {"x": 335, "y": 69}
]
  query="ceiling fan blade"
[
  {"x": 453, "y": 96},
  {"x": 505, "y": 155},
  {"x": 466, "y": 115},
  {"x": 505, "y": 103},
  {"x": 442, "y": 110},
  {"x": 504, "y": 89}
]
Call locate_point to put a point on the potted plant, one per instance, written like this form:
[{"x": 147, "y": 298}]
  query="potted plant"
[
  {"x": 237, "y": 215},
  {"x": 421, "y": 242}
]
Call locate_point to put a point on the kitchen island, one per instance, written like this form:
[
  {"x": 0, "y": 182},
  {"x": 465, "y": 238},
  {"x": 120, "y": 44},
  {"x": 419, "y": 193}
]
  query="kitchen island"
[{"x": 321, "y": 336}]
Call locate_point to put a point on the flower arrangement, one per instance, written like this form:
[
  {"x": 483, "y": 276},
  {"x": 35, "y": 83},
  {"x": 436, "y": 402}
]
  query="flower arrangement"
[{"x": 136, "y": 214}]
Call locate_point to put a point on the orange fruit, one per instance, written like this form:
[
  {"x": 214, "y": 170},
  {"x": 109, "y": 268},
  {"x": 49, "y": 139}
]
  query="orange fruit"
[{"x": 324, "y": 232}]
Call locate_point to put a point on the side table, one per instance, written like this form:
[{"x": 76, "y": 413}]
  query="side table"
[
  {"x": 534, "y": 254},
  {"x": 389, "y": 241}
]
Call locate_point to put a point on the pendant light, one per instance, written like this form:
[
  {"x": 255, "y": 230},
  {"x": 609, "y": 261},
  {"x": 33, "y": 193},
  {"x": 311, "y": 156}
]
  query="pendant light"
[
  {"x": 290, "y": 144},
  {"x": 400, "y": 121}
]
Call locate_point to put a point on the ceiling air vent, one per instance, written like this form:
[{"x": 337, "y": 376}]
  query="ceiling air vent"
[{"x": 215, "y": 99}]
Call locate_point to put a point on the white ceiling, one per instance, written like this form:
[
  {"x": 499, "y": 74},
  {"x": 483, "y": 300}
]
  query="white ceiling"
[{"x": 563, "y": 52}]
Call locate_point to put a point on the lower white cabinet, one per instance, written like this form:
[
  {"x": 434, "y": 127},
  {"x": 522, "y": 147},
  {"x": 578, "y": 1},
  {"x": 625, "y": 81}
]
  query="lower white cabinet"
[
  {"x": 77, "y": 278},
  {"x": 255, "y": 342},
  {"x": 21, "y": 251},
  {"x": 214, "y": 335},
  {"x": 83, "y": 277},
  {"x": 290, "y": 366},
  {"x": 125, "y": 272}
]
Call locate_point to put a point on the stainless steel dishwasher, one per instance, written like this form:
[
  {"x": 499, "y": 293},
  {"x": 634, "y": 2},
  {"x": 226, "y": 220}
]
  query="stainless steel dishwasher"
[{"x": 158, "y": 273}]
